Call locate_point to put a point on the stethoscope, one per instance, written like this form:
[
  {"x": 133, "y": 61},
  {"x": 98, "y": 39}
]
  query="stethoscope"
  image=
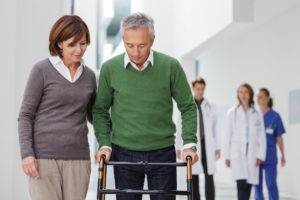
[{"x": 253, "y": 111}]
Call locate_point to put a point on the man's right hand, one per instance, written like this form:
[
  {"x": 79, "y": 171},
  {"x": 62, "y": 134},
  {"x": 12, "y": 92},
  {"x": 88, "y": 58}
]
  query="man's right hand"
[
  {"x": 190, "y": 152},
  {"x": 178, "y": 154},
  {"x": 103, "y": 151},
  {"x": 30, "y": 166}
]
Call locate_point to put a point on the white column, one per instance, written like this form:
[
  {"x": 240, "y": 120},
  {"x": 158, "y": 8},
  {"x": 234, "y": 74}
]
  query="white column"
[{"x": 25, "y": 27}]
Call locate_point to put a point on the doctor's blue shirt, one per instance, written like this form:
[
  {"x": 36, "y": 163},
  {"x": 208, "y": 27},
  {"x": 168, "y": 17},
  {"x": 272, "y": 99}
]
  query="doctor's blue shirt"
[
  {"x": 247, "y": 116},
  {"x": 273, "y": 128}
]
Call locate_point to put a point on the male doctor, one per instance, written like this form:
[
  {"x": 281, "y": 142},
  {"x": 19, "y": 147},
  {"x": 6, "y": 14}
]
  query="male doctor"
[{"x": 208, "y": 134}]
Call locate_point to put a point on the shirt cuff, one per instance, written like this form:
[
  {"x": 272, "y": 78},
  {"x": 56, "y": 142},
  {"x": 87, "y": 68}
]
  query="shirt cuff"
[
  {"x": 107, "y": 147},
  {"x": 189, "y": 145}
]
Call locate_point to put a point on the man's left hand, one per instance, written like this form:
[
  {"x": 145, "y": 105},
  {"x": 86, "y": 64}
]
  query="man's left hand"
[
  {"x": 190, "y": 152},
  {"x": 283, "y": 161},
  {"x": 258, "y": 162},
  {"x": 218, "y": 154}
]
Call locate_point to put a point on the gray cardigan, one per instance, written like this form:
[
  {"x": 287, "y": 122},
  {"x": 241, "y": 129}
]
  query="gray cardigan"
[{"x": 54, "y": 113}]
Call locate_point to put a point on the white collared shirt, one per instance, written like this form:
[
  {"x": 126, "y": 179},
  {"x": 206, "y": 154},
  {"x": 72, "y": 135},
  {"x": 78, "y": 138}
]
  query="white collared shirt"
[
  {"x": 149, "y": 60},
  {"x": 59, "y": 65}
]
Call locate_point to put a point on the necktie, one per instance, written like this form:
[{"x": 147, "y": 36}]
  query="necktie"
[{"x": 201, "y": 123}]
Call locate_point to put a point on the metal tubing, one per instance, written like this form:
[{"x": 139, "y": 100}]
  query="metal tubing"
[
  {"x": 146, "y": 164},
  {"x": 189, "y": 178},
  {"x": 152, "y": 192},
  {"x": 100, "y": 178}
]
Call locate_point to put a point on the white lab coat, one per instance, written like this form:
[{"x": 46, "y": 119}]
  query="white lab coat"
[
  {"x": 211, "y": 135},
  {"x": 242, "y": 166}
]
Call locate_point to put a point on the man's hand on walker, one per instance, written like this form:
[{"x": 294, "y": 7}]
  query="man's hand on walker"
[
  {"x": 103, "y": 151},
  {"x": 190, "y": 152}
]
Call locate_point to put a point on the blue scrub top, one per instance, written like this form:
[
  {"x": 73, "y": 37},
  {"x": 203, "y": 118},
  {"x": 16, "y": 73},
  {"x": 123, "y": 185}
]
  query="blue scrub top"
[{"x": 273, "y": 128}]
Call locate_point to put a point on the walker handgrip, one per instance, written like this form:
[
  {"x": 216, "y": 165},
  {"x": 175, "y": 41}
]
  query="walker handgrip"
[
  {"x": 189, "y": 167},
  {"x": 103, "y": 156},
  {"x": 101, "y": 178},
  {"x": 189, "y": 177},
  {"x": 189, "y": 157}
]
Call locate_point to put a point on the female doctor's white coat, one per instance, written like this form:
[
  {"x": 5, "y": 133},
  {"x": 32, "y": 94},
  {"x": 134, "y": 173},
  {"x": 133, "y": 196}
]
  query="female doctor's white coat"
[
  {"x": 211, "y": 136},
  {"x": 235, "y": 148}
]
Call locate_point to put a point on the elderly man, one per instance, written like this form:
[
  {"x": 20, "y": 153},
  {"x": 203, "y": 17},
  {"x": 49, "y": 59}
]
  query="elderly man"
[{"x": 138, "y": 87}]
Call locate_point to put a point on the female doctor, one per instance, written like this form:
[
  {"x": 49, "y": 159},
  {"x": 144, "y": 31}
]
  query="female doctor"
[
  {"x": 274, "y": 130},
  {"x": 245, "y": 142}
]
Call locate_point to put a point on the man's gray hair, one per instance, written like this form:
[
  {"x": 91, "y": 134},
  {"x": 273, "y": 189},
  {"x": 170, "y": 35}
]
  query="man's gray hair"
[{"x": 138, "y": 20}]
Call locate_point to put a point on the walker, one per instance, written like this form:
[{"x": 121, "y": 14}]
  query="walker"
[{"x": 101, "y": 188}]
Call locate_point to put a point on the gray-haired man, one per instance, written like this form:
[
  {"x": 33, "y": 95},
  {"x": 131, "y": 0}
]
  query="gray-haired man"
[{"x": 139, "y": 86}]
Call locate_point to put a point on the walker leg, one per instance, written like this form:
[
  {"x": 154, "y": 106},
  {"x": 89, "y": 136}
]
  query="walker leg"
[
  {"x": 101, "y": 178},
  {"x": 189, "y": 178}
]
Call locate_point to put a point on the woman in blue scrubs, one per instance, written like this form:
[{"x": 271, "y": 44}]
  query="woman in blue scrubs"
[{"x": 274, "y": 129}]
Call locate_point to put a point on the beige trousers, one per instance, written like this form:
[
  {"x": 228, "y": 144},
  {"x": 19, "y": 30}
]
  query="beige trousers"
[{"x": 60, "y": 180}]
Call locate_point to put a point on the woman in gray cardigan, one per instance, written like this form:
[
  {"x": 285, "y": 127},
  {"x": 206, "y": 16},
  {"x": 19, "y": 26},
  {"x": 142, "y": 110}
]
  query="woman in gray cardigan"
[{"x": 53, "y": 118}]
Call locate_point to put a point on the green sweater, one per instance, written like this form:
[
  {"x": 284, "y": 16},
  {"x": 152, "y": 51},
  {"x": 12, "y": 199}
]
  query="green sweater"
[{"x": 141, "y": 104}]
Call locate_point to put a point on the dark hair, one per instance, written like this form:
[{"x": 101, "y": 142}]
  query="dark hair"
[
  {"x": 198, "y": 80},
  {"x": 267, "y": 93},
  {"x": 66, "y": 27},
  {"x": 251, "y": 93}
]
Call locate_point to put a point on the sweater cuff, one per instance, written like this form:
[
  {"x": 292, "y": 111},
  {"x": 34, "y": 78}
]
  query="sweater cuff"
[
  {"x": 189, "y": 145},
  {"x": 107, "y": 147},
  {"x": 27, "y": 154}
]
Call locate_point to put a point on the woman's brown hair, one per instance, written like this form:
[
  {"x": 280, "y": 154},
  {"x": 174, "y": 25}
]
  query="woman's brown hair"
[
  {"x": 251, "y": 93},
  {"x": 66, "y": 27},
  {"x": 267, "y": 93}
]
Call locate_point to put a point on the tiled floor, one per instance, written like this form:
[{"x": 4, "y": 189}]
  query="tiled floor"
[{"x": 223, "y": 191}]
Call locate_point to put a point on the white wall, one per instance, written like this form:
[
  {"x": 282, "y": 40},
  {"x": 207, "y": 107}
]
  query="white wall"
[
  {"x": 267, "y": 56},
  {"x": 181, "y": 25},
  {"x": 195, "y": 21},
  {"x": 87, "y": 11},
  {"x": 8, "y": 13},
  {"x": 26, "y": 26},
  {"x": 161, "y": 12}
]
